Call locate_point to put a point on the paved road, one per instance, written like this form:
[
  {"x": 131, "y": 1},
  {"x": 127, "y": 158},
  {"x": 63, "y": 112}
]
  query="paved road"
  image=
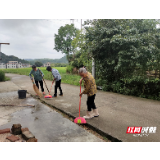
[
  {"x": 44, "y": 122},
  {"x": 117, "y": 111}
]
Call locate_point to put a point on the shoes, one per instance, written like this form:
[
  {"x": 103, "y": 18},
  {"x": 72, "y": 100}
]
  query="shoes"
[
  {"x": 54, "y": 96},
  {"x": 95, "y": 113},
  {"x": 60, "y": 94},
  {"x": 88, "y": 115}
]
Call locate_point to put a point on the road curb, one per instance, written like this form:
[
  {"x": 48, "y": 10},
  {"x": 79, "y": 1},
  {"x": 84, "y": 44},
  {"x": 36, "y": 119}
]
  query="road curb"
[{"x": 102, "y": 133}]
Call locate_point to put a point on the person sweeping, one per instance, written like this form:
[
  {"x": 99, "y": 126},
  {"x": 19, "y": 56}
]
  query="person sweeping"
[
  {"x": 37, "y": 77},
  {"x": 90, "y": 89},
  {"x": 57, "y": 78}
]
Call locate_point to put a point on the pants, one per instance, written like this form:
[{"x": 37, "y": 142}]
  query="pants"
[
  {"x": 90, "y": 102},
  {"x": 58, "y": 85},
  {"x": 41, "y": 84}
]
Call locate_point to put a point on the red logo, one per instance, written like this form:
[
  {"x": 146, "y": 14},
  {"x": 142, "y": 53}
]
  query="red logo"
[{"x": 134, "y": 130}]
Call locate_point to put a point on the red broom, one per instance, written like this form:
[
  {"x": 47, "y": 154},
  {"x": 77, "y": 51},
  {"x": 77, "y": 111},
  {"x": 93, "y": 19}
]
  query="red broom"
[
  {"x": 49, "y": 96},
  {"x": 79, "y": 119}
]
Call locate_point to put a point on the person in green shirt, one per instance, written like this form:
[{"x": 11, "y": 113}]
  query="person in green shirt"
[{"x": 37, "y": 77}]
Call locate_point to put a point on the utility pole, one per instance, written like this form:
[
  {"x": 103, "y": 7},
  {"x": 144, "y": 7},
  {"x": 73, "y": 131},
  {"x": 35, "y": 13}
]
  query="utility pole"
[
  {"x": 0, "y": 48},
  {"x": 81, "y": 24},
  {"x": 93, "y": 68}
]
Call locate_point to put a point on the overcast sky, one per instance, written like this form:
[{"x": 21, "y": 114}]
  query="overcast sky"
[{"x": 30, "y": 39}]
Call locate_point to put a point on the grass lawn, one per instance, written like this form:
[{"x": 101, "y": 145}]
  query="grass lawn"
[{"x": 66, "y": 78}]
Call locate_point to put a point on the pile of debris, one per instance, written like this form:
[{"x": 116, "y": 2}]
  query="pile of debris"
[{"x": 17, "y": 134}]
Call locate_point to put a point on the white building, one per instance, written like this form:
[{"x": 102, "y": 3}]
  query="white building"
[
  {"x": 47, "y": 64},
  {"x": 19, "y": 65},
  {"x": 25, "y": 65},
  {"x": 2, "y": 65},
  {"x": 14, "y": 64}
]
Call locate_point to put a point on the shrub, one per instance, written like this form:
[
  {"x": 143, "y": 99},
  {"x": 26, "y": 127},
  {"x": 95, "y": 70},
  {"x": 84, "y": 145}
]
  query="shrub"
[
  {"x": 136, "y": 86},
  {"x": 2, "y": 76},
  {"x": 69, "y": 69}
]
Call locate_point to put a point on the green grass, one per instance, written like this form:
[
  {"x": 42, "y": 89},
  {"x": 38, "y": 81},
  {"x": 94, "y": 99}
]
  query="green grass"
[
  {"x": 7, "y": 78},
  {"x": 66, "y": 78}
]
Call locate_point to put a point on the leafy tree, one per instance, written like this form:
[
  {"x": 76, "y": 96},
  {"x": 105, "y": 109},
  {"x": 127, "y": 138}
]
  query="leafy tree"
[
  {"x": 82, "y": 56},
  {"x": 38, "y": 64},
  {"x": 123, "y": 48},
  {"x": 64, "y": 39},
  {"x": 52, "y": 65}
]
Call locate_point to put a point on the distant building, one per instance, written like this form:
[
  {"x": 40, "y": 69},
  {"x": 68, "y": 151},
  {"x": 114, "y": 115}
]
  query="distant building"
[
  {"x": 26, "y": 65},
  {"x": 2, "y": 65},
  {"x": 47, "y": 64},
  {"x": 14, "y": 64}
]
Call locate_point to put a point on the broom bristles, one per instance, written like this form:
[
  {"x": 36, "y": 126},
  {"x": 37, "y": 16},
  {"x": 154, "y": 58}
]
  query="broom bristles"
[{"x": 37, "y": 90}]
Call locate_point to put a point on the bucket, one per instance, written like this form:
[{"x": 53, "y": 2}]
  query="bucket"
[{"x": 22, "y": 94}]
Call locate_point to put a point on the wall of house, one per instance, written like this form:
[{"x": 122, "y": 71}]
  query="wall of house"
[
  {"x": 11, "y": 65},
  {"x": 14, "y": 64},
  {"x": 2, "y": 65},
  {"x": 47, "y": 64}
]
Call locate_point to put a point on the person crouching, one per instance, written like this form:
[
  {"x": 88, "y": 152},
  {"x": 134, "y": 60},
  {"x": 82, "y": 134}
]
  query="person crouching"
[{"x": 90, "y": 89}]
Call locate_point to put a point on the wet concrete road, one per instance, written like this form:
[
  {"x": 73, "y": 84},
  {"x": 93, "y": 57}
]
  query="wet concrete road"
[{"x": 45, "y": 123}]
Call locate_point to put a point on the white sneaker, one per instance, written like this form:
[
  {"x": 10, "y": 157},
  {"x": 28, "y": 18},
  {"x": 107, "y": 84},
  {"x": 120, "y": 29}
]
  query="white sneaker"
[
  {"x": 89, "y": 115},
  {"x": 95, "y": 113}
]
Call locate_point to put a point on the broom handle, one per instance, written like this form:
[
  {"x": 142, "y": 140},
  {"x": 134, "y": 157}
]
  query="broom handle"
[
  {"x": 33, "y": 81},
  {"x": 80, "y": 102},
  {"x": 51, "y": 88},
  {"x": 44, "y": 81}
]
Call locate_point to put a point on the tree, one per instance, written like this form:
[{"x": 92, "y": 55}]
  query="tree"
[
  {"x": 123, "y": 48},
  {"x": 38, "y": 64},
  {"x": 81, "y": 57},
  {"x": 64, "y": 39},
  {"x": 52, "y": 65}
]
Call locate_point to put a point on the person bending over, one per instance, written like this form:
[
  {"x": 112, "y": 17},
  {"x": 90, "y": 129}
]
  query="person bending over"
[
  {"x": 90, "y": 89},
  {"x": 37, "y": 77},
  {"x": 57, "y": 78}
]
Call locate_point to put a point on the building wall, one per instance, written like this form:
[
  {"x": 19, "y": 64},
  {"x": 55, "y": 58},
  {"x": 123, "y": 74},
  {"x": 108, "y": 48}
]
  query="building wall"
[
  {"x": 11, "y": 65},
  {"x": 47, "y": 64},
  {"x": 14, "y": 65},
  {"x": 2, "y": 65}
]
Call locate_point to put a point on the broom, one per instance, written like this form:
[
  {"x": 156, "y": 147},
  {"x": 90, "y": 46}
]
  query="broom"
[
  {"x": 36, "y": 88},
  {"x": 49, "y": 96},
  {"x": 80, "y": 120},
  {"x": 44, "y": 80}
]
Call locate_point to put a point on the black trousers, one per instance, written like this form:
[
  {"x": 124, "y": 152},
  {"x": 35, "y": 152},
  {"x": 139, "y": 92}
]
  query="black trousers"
[
  {"x": 41, "y": 84},
  {"x": 58, "y": 85},
  {"x": 90, "y": 102}
]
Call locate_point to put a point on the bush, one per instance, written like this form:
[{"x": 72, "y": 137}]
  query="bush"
[
  {"x": 69, "y": 69},
  {"x": 2, "y": 76},
  {"x": 136, "y": 86}
]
